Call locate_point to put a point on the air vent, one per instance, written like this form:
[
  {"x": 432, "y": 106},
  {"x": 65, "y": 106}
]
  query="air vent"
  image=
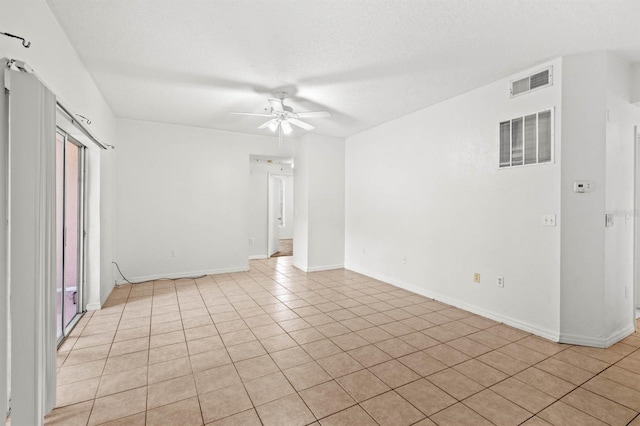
[
  {"x": 532, "y": 82},
  {"x": 527, "y": 140}
]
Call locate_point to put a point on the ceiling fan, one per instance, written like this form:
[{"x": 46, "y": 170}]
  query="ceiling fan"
[{"x": 283, "y": 116}]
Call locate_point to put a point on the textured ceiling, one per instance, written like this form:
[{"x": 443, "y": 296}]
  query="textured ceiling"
[{"x": 366, "y": 62}]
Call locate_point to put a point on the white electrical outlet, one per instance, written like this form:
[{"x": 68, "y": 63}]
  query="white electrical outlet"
[
  {"x": 500, "y": 282},
  {"x": 173, "y": 253},
  {"x": 251, "y": 241}
]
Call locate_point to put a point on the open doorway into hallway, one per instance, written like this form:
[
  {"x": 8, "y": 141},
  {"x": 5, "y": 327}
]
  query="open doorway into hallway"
[{"x": 271, "y": 217}]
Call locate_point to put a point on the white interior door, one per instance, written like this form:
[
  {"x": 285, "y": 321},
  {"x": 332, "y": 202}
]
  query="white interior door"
[{"x": 274, "y": 215}]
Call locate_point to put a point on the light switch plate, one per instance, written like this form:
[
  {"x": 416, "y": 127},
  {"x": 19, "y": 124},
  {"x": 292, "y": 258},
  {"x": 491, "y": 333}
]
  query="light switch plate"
[
  {"x": 549, "y": 220},
  {"x": 608, "y": 220}
]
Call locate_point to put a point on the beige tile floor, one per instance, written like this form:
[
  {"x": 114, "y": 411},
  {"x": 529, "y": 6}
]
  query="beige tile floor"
[
  {"x": 276, "y": 346},
  {"x": 286, "y": 248}
]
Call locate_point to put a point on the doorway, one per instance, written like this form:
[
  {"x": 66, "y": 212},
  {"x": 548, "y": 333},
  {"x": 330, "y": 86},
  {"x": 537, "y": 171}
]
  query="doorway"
[
  {"x": 280, "y": 233},
  {"x": 271, "y": 213},
  {"x": 70, "y": 161}
]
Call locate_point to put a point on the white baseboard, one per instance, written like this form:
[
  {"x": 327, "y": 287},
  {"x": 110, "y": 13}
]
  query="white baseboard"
[
  {"x": 621, "y": 334},
  {"x": 325, "y": 268},
  {"x": 531, "y": 328},
  {"x": 317, "y": 268},
  {"x": 598, "y": 342},
  {"x": 258, "y": 256},
  {"x": 580, "y": 340},
  {"x": 302, "y": 268},
  {"x": 140, "y": 279}
]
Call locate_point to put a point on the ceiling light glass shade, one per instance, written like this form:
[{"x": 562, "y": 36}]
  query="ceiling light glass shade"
[
  {"x": 273, "y": 125},
  {"x": 286, "y": 127}
]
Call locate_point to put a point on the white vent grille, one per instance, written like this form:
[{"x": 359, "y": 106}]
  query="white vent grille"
[
  {"x": 527, "y": 140},
  {"x": 532, "y": 82},
  {"x": 520, "y": 86}
]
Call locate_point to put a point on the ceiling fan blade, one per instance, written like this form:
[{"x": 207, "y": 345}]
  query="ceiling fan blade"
[
  {"x": 313, "y": 114},
  {"x": 251, "y": 113},
  {"x": 301, "y": 124},
  {"x": 276, "y": 104},
  {"x": 273, "y": 122}
]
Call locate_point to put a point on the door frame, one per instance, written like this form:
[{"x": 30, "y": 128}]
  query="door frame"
[{"x": 82, "y": 233}]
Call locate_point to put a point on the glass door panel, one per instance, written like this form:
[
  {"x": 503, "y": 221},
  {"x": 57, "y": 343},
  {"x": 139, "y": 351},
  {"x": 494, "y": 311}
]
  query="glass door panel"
[
  {"x": 59, "y": 229},
  {"x": 69, "y": 230},
  {"x": 72, "y": 229}
]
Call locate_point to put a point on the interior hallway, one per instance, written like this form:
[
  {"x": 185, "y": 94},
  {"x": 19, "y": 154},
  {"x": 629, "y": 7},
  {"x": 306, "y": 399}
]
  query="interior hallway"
[
  {"x": 286, "y": 248},
  {"x": 277, "y": 346}
]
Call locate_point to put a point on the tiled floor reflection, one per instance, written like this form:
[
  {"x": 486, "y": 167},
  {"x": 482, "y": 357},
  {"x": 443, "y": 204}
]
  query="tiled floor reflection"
[{"x": 276, "y": 346}]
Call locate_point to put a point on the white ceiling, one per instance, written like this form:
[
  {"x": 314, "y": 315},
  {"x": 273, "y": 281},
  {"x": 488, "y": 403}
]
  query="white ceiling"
[{"x": 366, "y": 62}]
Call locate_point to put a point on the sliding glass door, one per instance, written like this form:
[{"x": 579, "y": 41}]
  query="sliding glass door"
[{"x": 70, "y": 231}]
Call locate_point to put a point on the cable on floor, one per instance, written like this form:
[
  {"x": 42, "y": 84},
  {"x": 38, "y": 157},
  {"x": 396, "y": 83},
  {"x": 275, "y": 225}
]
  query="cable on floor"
[{"x": 156, "y": 279}]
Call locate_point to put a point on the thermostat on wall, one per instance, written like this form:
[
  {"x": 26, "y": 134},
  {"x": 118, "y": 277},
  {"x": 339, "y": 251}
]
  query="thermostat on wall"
[{"x": 582, "y": 186}]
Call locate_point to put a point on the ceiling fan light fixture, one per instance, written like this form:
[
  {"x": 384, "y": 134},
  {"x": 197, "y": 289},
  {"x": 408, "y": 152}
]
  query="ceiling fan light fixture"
[
  {"x": 273, "y": 125},
  {"x": 286, "y": 127}
]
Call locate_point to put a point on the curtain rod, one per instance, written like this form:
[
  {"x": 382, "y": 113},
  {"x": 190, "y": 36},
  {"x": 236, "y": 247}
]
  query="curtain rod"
[
  {"x": 21, "y": 66},
  {"x": 81, "y": 126},
  {"x": 25, "y": 43}
]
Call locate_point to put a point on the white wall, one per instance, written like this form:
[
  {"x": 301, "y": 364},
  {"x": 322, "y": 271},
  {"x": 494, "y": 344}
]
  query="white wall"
[
  {"x": 622, "y": 117},
  {"x": 107, "y": 221},
  {"x": 286, "y": 231},
  {"x": 258, "y": 205},
  {"x": 598, "y": 145},
  {"x": 319, "y": 182},
  {"x": 258, "y": 193},
  {"x": 186, "y": 190},
  {"x": 583, "y": 232},
  {"x": 301, "y": 206},
  {"x": 427, "y": 187},
  {"x": 635, "y": 84}
]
